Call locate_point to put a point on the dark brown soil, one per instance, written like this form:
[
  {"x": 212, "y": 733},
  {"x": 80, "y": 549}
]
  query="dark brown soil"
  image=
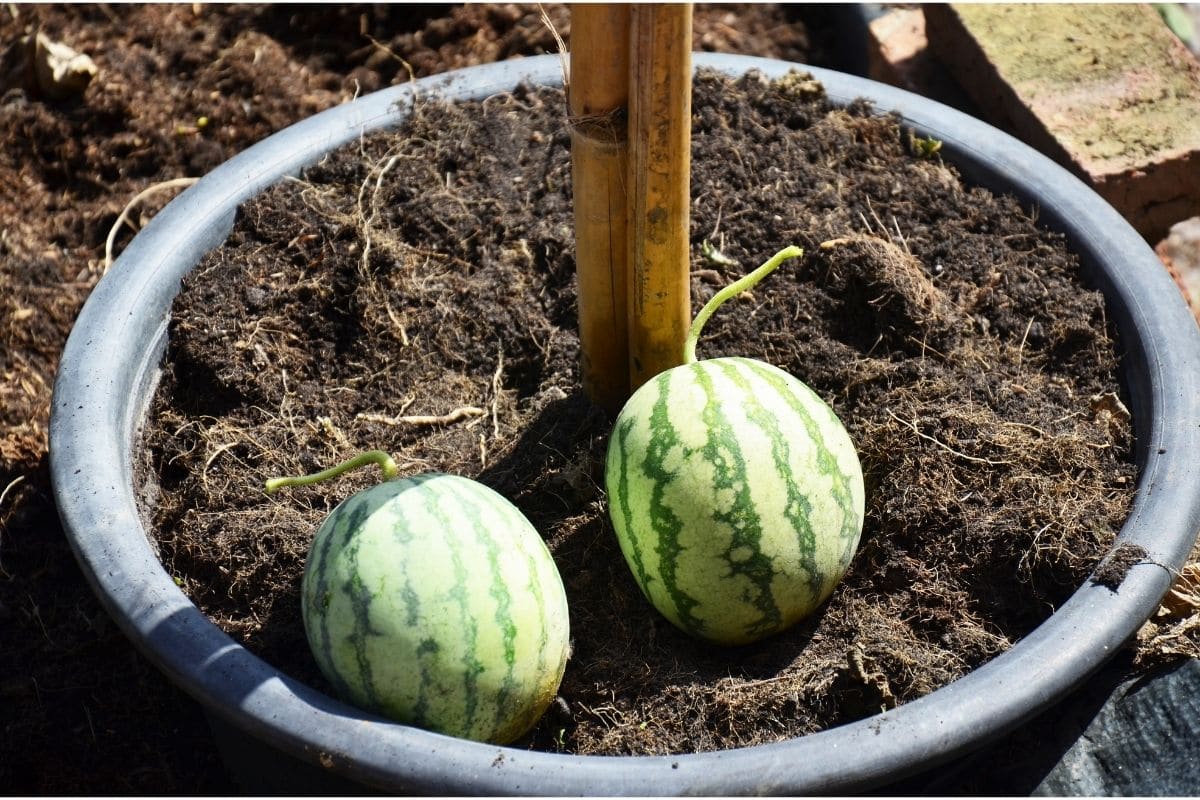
[
  {"x": 433, "y": 270},
  {"x": 83, "y": 712}
]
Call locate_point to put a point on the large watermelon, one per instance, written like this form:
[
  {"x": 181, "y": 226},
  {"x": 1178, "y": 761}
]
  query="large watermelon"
[
  {"x": 432, "y": 600},
  {"x": 735, "y": 492}
]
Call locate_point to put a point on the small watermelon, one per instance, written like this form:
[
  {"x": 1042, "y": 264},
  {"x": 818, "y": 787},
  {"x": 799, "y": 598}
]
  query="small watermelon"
[
  {"x": 432, "y": 600},
  {"x": 735, "y": 492}
]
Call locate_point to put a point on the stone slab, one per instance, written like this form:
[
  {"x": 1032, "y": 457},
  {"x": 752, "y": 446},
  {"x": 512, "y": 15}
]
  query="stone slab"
[{"x": 1106, "y": 90}]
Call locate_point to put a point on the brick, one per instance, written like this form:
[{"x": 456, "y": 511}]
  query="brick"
[
  {"x": 896, "y": 47},
  {"x": 898, "y": 54},
  {"x": 1180, "y": 252},
  {"x": 1106, "y": 90}
]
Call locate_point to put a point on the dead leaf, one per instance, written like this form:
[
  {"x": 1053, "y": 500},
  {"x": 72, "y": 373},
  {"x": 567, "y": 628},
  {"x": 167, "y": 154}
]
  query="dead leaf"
[
  {"x": 1182, "y": 600},
  {"x": 60, "y": 70}
]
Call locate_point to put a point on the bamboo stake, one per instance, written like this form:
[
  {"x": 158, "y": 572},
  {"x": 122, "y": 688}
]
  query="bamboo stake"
[
  {"x": 660, "y": 110},
  {"x": 598, "y": 99}
]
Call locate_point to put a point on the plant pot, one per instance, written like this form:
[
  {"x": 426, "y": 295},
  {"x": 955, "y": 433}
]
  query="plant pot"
[{"x": 108, "y": 372}]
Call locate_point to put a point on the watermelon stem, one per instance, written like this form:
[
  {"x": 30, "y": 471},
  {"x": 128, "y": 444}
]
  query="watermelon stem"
[
  {"x": 385, "y": 462},
  {"x": 743, "y": 284}
]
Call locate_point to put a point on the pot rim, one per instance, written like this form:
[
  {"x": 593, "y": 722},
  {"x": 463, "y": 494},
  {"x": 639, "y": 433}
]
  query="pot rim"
[{"x": 101, "y": 393}]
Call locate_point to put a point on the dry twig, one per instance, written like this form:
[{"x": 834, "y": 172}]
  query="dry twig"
[
  {"x": 139, "y": 197},
  {"x": 913, "y": 427},
  {"x": 463, "y": 412}
]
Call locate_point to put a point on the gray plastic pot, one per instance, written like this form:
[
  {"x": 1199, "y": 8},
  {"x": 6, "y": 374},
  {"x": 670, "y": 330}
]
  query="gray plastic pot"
[{"x": 108, "y": 370}]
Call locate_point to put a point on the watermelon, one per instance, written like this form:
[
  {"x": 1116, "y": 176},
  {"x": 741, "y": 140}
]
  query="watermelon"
[
  {"x": 433, "y": 600},
  {"x": 735, "y": 492}
]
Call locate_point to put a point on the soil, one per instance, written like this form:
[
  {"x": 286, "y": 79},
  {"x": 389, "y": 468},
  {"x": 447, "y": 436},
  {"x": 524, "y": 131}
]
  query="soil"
[
  {"x": 84, "y": 712},
  {"x": 431, "y": 270}
]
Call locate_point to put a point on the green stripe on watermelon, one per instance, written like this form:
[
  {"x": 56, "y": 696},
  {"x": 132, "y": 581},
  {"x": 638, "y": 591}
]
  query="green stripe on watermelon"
[
  {"x": 318, "y": 593},
  {"x": 840, "y": 463},
  {"x": 736, "y": 510},
  {"x": 469, "y": 666}
]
